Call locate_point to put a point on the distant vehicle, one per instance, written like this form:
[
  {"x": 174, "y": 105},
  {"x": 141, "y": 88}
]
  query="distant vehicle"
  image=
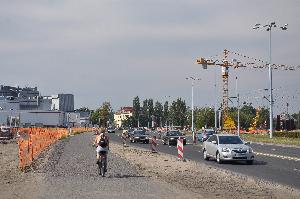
[
  {"x": 111, "y": 130},
  {"x": 5, "y": 133},
  {"x": 206, "y": 134},
  {"x": 130, "y": 132},
  {"x": 171, "y": 137},
  {"x": 139, "y": 136},
  {"x": 227, "y": 147}
]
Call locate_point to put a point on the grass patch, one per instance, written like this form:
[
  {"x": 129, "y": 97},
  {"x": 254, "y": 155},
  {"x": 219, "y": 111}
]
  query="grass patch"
[
  {"x": 63, "y": 137},
  {"x": 266, "y": 139},
  {"x": 76, "y": 132}
]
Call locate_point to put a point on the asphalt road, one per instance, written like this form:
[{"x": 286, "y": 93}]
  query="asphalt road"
[{"x": 272, "y": 163}]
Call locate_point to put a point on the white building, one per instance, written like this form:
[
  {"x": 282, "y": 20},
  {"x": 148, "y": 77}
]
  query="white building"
[{"x": 122, "y": 115}]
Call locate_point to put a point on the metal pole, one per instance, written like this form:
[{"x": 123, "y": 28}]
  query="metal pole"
[
  {"x": 193, "y": 111},
  {"x": 238, "y": 106},
  {"x": 271, "y": 90},
  {"x": 215, "y": 101}
]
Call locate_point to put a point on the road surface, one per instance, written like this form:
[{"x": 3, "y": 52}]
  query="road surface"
[{"x": 272, "y": 163}]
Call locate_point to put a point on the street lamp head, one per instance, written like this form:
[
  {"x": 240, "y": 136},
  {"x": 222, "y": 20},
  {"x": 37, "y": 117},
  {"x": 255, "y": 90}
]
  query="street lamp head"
[{"x": 283, "y": 28}]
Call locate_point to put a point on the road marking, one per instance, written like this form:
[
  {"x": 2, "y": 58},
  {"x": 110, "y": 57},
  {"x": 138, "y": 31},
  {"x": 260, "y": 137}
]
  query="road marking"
[
  {"x": 278, "y": 156},
  {"x": 296, "y": 169}
]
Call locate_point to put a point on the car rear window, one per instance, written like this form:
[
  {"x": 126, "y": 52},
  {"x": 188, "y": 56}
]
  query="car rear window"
[
  {"x": 230, "y": 140},
  {"x": 175, "y": 133},
  {"x": 139, "y": 133}
]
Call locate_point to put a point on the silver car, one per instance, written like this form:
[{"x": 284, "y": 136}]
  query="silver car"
[{"x": 224, "y": 147}]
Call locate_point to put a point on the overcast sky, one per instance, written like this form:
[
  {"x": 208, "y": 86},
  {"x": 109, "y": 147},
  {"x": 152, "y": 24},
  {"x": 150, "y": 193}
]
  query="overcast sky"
[{"x": 113, "y": 50}]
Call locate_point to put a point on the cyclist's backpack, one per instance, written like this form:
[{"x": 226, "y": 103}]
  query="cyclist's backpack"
[{"x": 103, "y": 142}]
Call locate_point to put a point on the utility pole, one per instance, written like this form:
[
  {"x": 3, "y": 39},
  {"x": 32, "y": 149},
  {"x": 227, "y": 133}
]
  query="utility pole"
[
  {"x": 193, "y": 82},
  {"x": 269, "y": 28}
]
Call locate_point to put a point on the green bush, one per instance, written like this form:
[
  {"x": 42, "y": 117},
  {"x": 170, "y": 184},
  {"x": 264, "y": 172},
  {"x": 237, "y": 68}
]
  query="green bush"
[{"x": 287, "y": 134}]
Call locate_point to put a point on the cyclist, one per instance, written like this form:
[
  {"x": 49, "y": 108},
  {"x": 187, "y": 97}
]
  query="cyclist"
[{"x": 102, "y": 143}]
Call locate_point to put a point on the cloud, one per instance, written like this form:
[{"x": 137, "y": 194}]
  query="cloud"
[{"x": 117, "y": 49}]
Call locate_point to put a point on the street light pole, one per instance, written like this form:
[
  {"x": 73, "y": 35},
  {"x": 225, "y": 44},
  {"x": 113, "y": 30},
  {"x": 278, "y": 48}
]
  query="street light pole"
[
  {"x": 193, "y": 80},
  {"x": 269, "y": 28},
  {"x": 215, "y": 100}
]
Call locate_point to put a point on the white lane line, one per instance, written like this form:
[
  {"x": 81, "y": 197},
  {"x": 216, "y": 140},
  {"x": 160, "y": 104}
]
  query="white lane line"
[{"x": 278, "y": 156}]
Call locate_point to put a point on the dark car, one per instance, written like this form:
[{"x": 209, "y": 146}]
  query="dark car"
[
  {"x": 5, "y": 133},
  {"x": 111, "y": 130},
  {"x": 171, "y": 137},
  {"x": 139, "y": 136},
  {"x": 207, "y": 133}
]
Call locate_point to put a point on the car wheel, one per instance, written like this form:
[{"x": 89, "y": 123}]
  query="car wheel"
[
  {"x": 249, "y": 162},
  {"x": 218, "y": 157},
  {"x": 205, "y": 155}
]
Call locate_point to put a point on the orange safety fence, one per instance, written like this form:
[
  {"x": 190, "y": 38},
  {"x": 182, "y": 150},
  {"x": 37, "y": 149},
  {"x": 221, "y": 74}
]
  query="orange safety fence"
[{"x": 32, "y": 141}]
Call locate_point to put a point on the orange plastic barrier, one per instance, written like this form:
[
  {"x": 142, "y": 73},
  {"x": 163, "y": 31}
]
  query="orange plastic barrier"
[{"x": 33, "y": 141}]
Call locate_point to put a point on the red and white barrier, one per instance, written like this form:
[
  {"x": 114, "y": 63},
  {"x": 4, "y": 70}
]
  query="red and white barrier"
[
  {"x": 180, "y": 148},
  {"x": 153, "y": 144},
  {"x": 124, "y": 139}
]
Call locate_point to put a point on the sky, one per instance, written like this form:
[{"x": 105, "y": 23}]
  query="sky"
[{"x": 114, "y": 50}]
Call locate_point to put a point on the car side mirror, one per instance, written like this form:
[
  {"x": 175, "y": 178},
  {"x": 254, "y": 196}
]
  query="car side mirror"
[{"x": 214, "y": 142}]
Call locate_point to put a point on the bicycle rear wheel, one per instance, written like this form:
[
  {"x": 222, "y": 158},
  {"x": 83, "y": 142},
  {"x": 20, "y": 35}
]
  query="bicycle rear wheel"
[{"x": 102, "y": 168}]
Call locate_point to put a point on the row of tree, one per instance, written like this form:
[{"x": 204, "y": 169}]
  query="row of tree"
[
  {"x": 177, "y": 113},
  {"x": 102, "y": 116}
]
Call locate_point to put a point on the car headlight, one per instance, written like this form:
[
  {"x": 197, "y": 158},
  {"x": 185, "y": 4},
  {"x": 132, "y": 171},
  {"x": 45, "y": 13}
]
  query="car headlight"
[
  {"x": 250, "y": 150},
  {"x": 225, "y": 150},
  {"x": 136, "y": 137},
  {"x": 171, "y": 138}
]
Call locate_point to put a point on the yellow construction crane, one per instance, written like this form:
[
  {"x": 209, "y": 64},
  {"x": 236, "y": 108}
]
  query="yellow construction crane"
[{"x": 225, "y": 63}]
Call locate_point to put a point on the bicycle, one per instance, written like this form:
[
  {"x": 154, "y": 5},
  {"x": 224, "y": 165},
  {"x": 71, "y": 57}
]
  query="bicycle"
[{"x": 102, "y": 165}]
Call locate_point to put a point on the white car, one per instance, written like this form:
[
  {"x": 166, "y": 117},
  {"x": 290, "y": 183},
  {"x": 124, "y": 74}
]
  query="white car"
[{"x": 227, "y": 147}]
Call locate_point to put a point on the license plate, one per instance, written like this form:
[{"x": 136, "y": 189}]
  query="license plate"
[{"x": 240, "y": 155}]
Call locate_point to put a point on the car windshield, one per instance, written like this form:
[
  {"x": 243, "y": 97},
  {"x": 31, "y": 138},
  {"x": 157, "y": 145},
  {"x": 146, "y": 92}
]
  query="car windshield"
[
  {"x": 230, "y": 140},
  {"x": 175, "y": 133},
  {"x": 139, "y": 133}
]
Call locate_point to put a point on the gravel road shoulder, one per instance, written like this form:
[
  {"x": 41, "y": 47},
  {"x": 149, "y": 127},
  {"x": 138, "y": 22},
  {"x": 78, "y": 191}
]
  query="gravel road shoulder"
[
  {"x": 201, "y": 178},
  {"x": 68, "y": 170}
]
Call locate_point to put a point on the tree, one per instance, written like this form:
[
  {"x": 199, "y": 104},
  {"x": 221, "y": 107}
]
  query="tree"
[
  {"x": 178, "y": 113},
  {"x": 205, "y": 117},
  {"x": 158, "y": 113},
  {"x": 263, "y": 119},
  {"x": 104, "y": 114},
  {"x": 166, "y": 113},
  {"x": 95, "y": 116},
  {"x": 144, "y": 114},
  {"x": 128, "y": 122},
  {"x": 247, "y": 113},
  {"x": 150, "y": 111},
  {"x": 136, "y": 111}
]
